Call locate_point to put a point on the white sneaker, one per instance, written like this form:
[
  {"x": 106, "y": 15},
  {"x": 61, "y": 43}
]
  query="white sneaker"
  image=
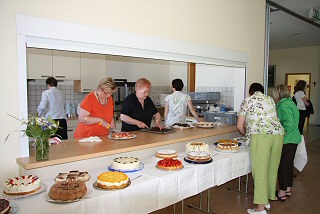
[
  {"x": 254, "y": 212},
  {"x": 267, "y": 206}
]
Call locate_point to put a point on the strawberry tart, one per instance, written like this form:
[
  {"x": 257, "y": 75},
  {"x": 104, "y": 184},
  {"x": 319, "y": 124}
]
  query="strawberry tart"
[{"x": 169, "y": 164}]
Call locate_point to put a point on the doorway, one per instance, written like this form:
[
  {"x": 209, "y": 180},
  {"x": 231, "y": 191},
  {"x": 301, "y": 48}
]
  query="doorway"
[{"x": 291, "y": 81}]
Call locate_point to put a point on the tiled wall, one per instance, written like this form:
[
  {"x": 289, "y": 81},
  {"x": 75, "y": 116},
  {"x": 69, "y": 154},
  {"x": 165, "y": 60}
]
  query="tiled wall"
[
  {"x": 35, "y": 90},
  {"x": 226, "y": 94}
]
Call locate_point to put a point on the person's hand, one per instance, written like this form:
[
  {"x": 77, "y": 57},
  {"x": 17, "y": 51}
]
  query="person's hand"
[
  {"x": 104, "y": 124},
  {"x": 158, "y": 125},
  {"x": 142, "y": 125}
]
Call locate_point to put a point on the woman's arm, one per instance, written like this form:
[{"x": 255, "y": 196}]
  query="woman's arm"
[
  {"x": 157, "y": 119},
  {"x": 304, "y": 99},
  {"x": 241, "y": 124},
  {"x": 85, "y": 118},
  {"x": 130, "y": 120},
  {"x": 192, "y": 110}
]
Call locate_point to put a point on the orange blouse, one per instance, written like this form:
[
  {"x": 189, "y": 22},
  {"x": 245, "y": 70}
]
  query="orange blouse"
[{"x": 91, "y": 104}]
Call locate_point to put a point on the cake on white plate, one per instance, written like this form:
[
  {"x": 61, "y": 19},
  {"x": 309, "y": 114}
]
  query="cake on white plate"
[
  {"x": 125, "y": 163},
  {"x": 166, "y": 153},
  {"x": 22, "y": 185},
  {"x": 112, "y": 180},
  {"x": 228, "y": 146},
  {"x": 197, "y": 147},
  {"x": 199, "y": 156}
]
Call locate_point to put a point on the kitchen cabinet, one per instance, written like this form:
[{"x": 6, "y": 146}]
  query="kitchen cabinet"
[
  {"x": 92, "y": 71},
  {"x": 66, "y": 65},
  {"x": 72, "y": 125},
  {"x": 44, "y": 63},
  {"x": 39, "y": 63}
]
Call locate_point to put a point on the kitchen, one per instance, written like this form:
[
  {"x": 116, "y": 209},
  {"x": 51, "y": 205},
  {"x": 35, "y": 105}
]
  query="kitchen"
[{"x": 74, "y": 72}]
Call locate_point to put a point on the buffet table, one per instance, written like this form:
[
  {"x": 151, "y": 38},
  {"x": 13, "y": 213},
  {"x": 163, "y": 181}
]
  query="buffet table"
[{"x": 154, "y": 190}]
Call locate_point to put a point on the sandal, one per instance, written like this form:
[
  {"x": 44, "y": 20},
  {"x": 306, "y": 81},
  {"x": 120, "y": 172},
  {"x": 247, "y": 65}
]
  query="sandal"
[
  {"x": 288, "y": 193},
  {"x": 280, "y": 198}
]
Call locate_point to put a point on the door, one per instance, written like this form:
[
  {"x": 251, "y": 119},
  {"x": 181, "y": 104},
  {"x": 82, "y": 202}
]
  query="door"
[{"x": 291, "y": 81}]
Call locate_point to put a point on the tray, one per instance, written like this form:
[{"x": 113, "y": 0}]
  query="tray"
[
  {"x": 95, "y": 185},
  {"x": 167, "y": 130},
  {"x": 132, "y": 170},
  {"x": 46, "y": 198},
  {"x": 125, "y": 138},
  {"x": 42, "y": 189},
  {"x": 181, "y": 127},
  {"x": 195, "y": 162},
  {"x": 169, "y": 169},
  {"x": 207, "y": 125}
]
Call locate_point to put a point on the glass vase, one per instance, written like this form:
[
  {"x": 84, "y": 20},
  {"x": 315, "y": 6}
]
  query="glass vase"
[{"x": 42, "y": 148}]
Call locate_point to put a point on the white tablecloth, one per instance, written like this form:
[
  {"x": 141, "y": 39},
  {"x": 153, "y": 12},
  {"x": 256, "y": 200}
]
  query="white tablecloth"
[{"x": 154, "y": 190}]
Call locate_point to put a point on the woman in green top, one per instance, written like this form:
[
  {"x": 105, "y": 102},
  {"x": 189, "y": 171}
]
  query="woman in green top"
[{"x": 288, "y": 115}]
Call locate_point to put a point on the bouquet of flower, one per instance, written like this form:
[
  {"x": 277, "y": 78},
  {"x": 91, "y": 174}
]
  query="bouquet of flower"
[{"x": 41, "y": 129}]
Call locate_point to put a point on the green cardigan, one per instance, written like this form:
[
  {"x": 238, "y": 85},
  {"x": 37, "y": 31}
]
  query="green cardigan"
[{"x": 288, "y": 114}]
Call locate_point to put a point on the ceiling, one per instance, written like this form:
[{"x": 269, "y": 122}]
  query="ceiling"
[{"x": 287, "y": 31}]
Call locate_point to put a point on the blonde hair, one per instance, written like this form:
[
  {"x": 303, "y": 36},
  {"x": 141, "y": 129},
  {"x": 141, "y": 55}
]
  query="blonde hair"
[
  {"x": 107, "y": 83},
  {"x": 281, "y": 91},
  {"x": 142, "y": 82}
]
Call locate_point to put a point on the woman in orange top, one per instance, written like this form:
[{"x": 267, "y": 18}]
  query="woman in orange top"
[{"x": 96, "y": 111}]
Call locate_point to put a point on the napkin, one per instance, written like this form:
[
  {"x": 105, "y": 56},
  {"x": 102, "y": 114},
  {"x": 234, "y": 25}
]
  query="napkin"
[
  {"x": 90, "y": 139},
  {"x": 301, "y": 157}
]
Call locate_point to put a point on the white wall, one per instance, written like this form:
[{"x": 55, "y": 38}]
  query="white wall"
[
  {"x": 300, "y": 60},
  {"x": 203, "y": 23},
  {"x": 210, "y": 75}
]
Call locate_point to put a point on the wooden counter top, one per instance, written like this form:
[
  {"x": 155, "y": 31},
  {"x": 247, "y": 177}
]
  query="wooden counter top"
[{"x": 71, "y": 150}]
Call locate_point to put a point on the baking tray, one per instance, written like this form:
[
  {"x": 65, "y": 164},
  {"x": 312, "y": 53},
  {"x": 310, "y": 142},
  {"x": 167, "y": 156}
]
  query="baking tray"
[{"x": 163, "y": 130}]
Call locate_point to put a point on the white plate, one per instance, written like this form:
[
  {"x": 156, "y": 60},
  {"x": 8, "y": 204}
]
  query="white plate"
[
  {"x": 42, "y": 189},
  {"x": 181, "y": 127},
  {"x": 14, "y": 207},
  {"x": 206, "y": 125},
  {"x": 124, "y": 138}
]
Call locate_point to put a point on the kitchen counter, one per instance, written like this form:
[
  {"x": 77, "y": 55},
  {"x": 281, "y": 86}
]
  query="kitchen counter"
[{"x": 71, "y": 150}]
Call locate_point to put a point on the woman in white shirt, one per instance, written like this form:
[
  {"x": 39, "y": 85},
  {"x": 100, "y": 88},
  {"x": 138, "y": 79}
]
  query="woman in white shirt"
[
  {"x": 176, "y": 105},
  {"x": 301, "y": 98}
]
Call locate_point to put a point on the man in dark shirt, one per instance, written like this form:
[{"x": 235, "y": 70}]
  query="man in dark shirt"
[{"x": 138, "y": 109}]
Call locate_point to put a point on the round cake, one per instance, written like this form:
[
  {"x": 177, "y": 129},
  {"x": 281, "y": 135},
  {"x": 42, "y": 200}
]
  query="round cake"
[
  {"x": 166, "y": 153},
  {"x": 197, "y": 147},
  {"x": 122, "y": 135},
  {"x": 112, "y": 180},
  {"x": 67, "y": 190},
  {"x": 22, "y": 185},
  {"x": 4, "y": 206},
  {"x": 199, "y": 156},
  {"x": 125, "y": 163},
  {"x": 170, "y": 164},
  {"x": 228, "y": 145}
]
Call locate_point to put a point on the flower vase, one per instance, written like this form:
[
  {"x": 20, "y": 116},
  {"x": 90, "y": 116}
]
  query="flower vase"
[{"x": 42, "y": 148}]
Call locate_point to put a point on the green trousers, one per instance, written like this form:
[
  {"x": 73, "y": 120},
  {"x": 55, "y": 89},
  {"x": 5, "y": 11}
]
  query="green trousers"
[{"x": 265, "y": 155}]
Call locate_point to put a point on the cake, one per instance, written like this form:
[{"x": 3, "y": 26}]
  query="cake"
[
  {"x": 197, "y": 147},
  {"x": 67, "y": 190},
  {"x": 112, "y": 180},
  {"x": 4, "y": 206},
  {"x": 160, "y": 131},
  {"x": 181, "y": 125},
  {"x": 122, "y": 135},
  {"x": 22, "y": 185},
  {"x": 228, "y": 145},
  {"x": 199, "y": 156},
  {"x": 169, "y": 164},
  {"x": 166, "y": 153},
  {"x": 73, "y": 175},
  {"x": 125, "y": 163}
]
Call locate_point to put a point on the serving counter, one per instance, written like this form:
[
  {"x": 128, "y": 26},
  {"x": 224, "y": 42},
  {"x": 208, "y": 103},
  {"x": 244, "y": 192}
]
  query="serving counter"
[
  {"x": 151, "y": 189},
  {"x": 87, "y": 156}
]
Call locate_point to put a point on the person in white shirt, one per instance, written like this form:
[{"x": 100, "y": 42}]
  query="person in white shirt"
[
  {"x": 52, "y": 106},
  {"x": 176, "y": 105},
  {"x": 301, "y": 98}
]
